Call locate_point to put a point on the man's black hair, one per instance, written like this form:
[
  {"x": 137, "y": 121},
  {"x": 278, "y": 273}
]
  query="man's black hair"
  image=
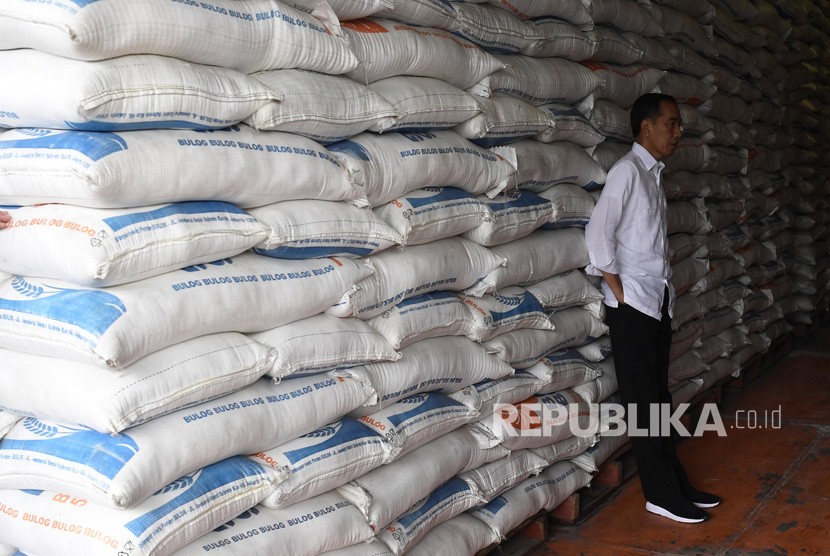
[{"x": 647, "y": 107}]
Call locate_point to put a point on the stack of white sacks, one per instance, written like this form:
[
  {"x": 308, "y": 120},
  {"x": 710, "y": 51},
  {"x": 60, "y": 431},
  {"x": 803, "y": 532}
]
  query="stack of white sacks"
[{"x": 303, "y": 252}]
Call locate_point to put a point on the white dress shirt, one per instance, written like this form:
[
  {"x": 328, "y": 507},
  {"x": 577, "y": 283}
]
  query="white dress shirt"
[{"x": 627, "y": 233}]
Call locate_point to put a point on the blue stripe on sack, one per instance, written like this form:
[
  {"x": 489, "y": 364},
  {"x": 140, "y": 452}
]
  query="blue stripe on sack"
[
  {"x": 494, "y": 505},
  {"x": 592, "y": 186},
  {"x": 424, "y": 403},
  {"x": 349, "y": 430},
  {"x": 94, "y": 311},
  {"x": 301, "y": 253},
  {"x": 448, "y": 490},
  {"x": 94, "y": 146},
  {"x": 426, "y": 297},
  {"x": 211, "y": 478},
  {"x": 154, "y": 124},
  {"x": 487, "y": 142},
  {"x": 441, "y": 194},
  {"x": 105, "y": 454},
  {"x": 117, "y": 223},
  {"x": 523, "y": 199},
  {"x": 525, "y": 304},
  {"x": 580, "y": 223}
]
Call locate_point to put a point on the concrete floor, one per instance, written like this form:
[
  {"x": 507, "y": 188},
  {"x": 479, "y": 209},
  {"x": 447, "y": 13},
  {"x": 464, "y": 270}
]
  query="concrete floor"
[{"x": 775, "y": 482}]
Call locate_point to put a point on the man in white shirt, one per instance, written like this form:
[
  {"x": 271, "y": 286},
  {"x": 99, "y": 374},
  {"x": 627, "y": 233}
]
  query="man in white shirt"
[{"x": 628, "y": 247}]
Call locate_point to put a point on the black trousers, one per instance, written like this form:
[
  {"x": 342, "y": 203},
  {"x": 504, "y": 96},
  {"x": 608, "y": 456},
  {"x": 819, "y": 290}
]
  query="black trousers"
[{"x": 640, "y": 345}]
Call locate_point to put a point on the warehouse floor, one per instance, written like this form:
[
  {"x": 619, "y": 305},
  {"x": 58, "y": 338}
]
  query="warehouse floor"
[{"x": 773, "y": 481}]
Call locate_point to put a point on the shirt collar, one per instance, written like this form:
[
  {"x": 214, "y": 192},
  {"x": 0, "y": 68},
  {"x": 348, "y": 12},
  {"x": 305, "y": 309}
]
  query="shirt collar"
[{"x": 646, "y": 158}]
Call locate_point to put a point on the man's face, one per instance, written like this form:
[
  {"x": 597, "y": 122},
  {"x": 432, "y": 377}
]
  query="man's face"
[{"x": 660, "y": 136}]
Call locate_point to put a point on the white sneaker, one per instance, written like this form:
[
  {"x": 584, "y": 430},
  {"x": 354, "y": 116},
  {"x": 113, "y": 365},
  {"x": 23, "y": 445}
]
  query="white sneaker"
[{"x": 687, "y": 515}]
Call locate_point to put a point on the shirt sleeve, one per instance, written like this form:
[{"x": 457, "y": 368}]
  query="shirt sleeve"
[{"x": 601, "y": 230}]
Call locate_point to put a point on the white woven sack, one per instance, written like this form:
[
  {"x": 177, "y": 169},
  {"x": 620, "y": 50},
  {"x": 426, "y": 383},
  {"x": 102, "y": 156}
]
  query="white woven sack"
[
  {"x": 685, "y": 88},
  {"x": 560, "y": 39},
  {"x": 614, "y": 48},
  {"x": 494, "y": 29},
  {"x": 111, "y": 400},
  {"x": 172, "y": 517},
  {"x": 319, "y": 524},
  {"x": 7, "y": 421},
  {"x": 569, "y": 124},
  {"x": 608, "y": 153},
  {"x": 307, "y": 229},
  {"x": 121, "y": 324},
  {"x": 695, "y": 124},
  {"x": 653, "y": 52},
  {"x": 685, "y": 391},
  {"x": 510, "y": 389},
  {"x": 433, "y": 213},
  {"x": 321, "y": 460},
  {"x": 491, "y": 479},
  {"x": 565, "y": 449},
  {"x": 688, "y": 61},
  {"x": 686, "y": 366},
  {"x": 105, "y": 247},
  {"x": 447, "y": 501},
  {"x": 539, "y": 80},
  {"x": 685, "y": 185},
  {"x": 564, "y": 290},
  {"x": 130, "y": 92},
  {"x": 563, "y": 369},
  {"x": 391, "y": 165},
  {"x": 540, "y": 255},
  {"x": 685, "y": 338},
  {"x": 246, "y": 35},
  {"x": 512, "y": 309},
  {"x": 592, "y": 459},
  {"x": 504, "y": 119},
  {"x": 7, "y": 550},
  {"x": 423, "y": 103},
  {"x": 352, "y": 9},
  {"x": 573, "y": 11},
  {"x": 540, "y": 166},
  {"x": 423, "y": 13},
  {"x": 111, "y": 170},
  {"x": 703, "y": 11},
  {"x": 687, "y": 307},
  {"x": 372, "y": 547},
  {"x": 417, "y": 419},
  {"x": 431, "y": 315},
  {"x": 323, "y": 343},
  {"x": 572, "y": 327},
  {"x": 386, "y": 492},
  {"x": 386, "y": 48},
  {"x": 596, "y": 351},
  {"x": 513, "y": 214},
  {"x": 687, "y": 273},
  {"x": 123, "y": 470},
  {"x": 326, "y": 108},
  {"x": 462, "y": 534},
  {"x": 684, "y": 28},
  {"x": 448, "y": 264},
  {"x": 622, "y": 85},
  {"x": 572, "y": 206},
  {"x": 445, "y": 365},
  {"x": 603, "y": 387},
  {"x": 625, "y": 15},
  {"x": 691, "y": 154},
  {"x": 536, "y": 422},
  {"x": 687, "y": 216},
  {"x": 546, "y": 491},
  {"x": 610, "y": 119}
]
